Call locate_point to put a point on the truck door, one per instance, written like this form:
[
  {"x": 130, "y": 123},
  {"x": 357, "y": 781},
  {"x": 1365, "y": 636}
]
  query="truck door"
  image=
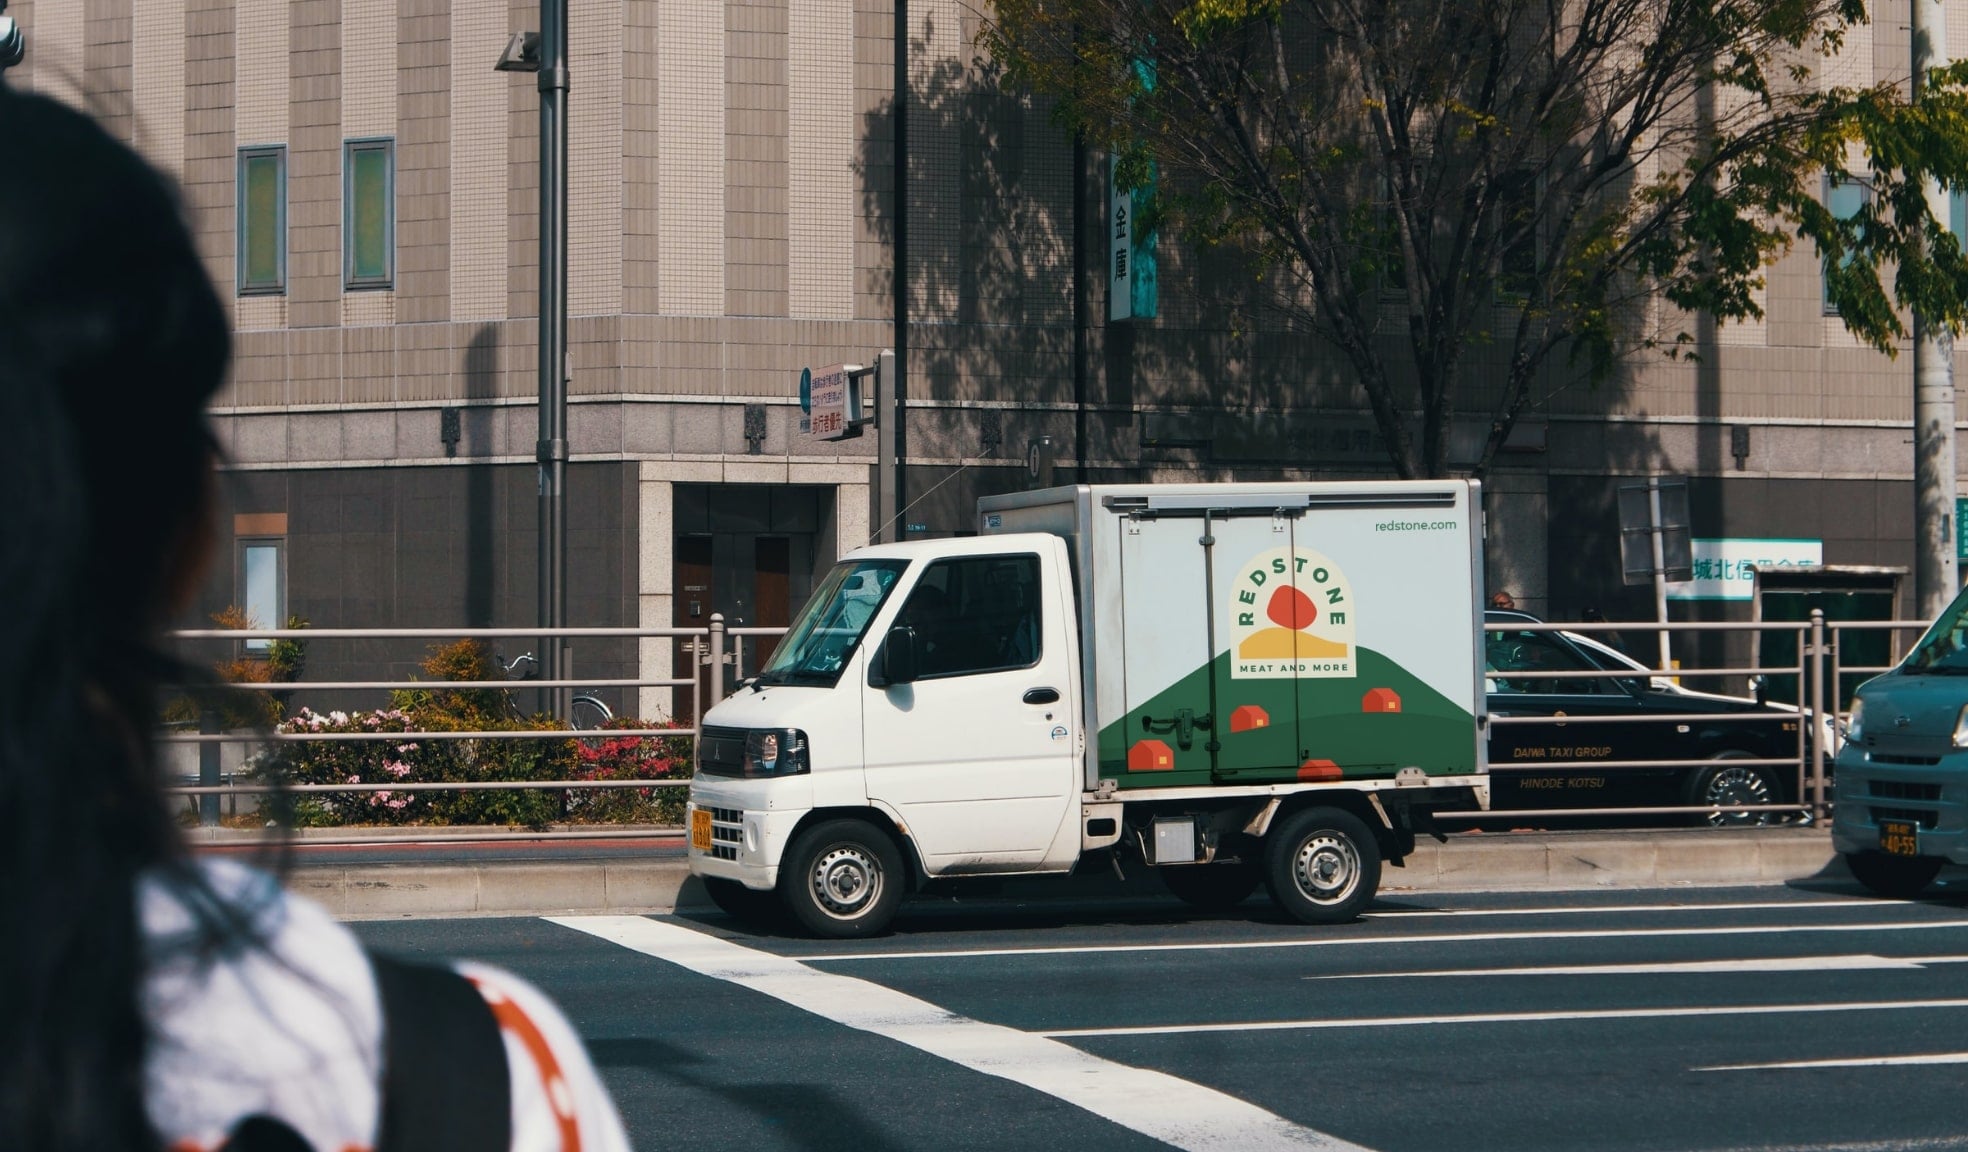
[
  {"x": 1165, "y": 657},
  {"x": 978, "y": 754},
  {"x": 1215, "y": 630}
]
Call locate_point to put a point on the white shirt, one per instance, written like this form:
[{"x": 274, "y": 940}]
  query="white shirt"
[{"x": 292, "y": 1030}]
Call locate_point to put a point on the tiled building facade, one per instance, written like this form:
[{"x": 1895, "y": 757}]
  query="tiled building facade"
[{"x": 731, "y": 220}]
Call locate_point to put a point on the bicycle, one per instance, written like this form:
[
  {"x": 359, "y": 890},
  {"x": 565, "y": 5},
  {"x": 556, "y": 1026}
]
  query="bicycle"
[{"x": 585, "y": 713}]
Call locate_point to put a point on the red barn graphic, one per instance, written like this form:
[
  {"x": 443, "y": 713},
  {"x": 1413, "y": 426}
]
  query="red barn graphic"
[
  {"x": 1381, "y": 700},
  {"x": 1247, "y": 717},
  {"x": 1150, "y": 756}
]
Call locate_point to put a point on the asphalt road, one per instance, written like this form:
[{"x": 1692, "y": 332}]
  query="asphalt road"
[{"x": 1800, "y": 1017}]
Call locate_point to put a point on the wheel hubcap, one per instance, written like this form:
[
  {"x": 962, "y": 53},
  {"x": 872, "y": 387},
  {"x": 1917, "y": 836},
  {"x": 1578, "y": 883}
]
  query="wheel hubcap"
[
  {"x": 846, "y": 881},
  {"x": 1738, "y": 786},
  {"x": 1327, "y": 868}
]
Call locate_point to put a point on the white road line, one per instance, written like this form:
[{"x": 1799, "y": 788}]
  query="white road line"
[
  {"x": 1624, "y": 909},
  {"x": 1858, "y": 1062},
  {"x": 1769, "y": 964},
  {"x": 1501, "y": 1018},
  {"x": 1174, "y": 1111},
  {"x": 1356, "y": 941}
]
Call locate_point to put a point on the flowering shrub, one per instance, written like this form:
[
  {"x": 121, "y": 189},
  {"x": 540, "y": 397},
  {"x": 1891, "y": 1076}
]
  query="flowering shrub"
[
  {"x": 630, "y": 758},
  {"x": 382, "y": 763}
]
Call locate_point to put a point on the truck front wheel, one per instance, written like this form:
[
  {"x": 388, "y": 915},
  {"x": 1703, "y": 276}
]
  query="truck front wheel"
[
  {"x": 1898, "y": 877},
  {"x": 1212, "y": 886},
  {"x": 1322, "y": 865},
  {"x": 842, "y": 879}
]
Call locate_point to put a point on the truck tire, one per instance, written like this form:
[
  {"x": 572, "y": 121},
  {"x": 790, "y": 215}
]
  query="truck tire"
[
  {"x": 751, "y": 905},
  {"x": 1322, "y": 865},
  {"x": 842, "y": 879},
  {"x": 1898, "y": 877},
  {"x": 1213, "y": 887}
]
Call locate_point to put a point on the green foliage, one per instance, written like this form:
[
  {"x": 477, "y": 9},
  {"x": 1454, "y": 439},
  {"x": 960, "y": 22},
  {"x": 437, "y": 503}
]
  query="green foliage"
[{"x": 1523, "y": 177}]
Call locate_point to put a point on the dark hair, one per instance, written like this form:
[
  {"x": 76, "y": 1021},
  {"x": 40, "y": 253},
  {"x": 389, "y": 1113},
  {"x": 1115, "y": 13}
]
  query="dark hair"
[{"x": 111, "y": 342}]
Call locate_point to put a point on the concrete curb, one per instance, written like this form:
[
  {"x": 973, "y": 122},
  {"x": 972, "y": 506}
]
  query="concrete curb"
[{"x": 1468, "y": 863}]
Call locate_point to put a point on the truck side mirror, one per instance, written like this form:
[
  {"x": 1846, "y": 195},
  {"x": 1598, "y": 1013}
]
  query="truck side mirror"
[{"x": 898, "y": 657}]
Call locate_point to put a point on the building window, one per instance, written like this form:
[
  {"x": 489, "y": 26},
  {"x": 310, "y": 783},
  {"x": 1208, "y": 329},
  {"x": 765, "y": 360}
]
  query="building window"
[
  {"x": 262, "y": 588},
  {"x": 1845, "y": 197},
  {"x": 369, "y": 214},
  {"x": 262, "y": 220}
]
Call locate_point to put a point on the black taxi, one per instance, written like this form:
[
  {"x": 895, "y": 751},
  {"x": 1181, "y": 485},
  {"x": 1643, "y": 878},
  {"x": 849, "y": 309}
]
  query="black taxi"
[{"x": 1693, "y": 761}]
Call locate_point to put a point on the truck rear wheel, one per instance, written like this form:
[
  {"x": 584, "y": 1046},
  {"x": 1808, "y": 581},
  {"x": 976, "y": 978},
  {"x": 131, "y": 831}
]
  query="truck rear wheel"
[
  {"x": 1899, "y": 877},
  {"x": 842, "y": 879},
  {"x": 1212, "y": 886},
  {"x": 1322, "y": 865}
]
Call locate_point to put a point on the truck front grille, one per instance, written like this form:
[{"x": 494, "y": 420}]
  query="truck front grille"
[
  {"x": 1892, "y": 758},
  {"x": 727, "y": 833},
  {"x": 1906, "y": 790}
]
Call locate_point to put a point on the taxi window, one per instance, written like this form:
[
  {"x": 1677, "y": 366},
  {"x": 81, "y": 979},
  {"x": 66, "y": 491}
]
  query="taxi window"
[{"x": 1507, "y": 652}]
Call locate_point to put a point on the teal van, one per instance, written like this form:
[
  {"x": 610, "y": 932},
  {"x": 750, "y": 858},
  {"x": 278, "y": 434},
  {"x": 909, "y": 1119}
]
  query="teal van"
[{"x": 1902, "y": 775}]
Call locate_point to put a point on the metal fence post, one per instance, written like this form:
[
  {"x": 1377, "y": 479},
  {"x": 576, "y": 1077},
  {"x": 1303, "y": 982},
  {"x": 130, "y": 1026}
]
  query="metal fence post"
[
  {"x": 717, "y": 660},
  {"x": 1817, "y": 713},
  {"x": 208, "y": 768}
]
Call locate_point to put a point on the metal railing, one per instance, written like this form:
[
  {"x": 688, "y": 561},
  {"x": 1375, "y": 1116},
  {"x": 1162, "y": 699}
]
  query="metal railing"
[
  {"x": 715, "y": 649},
  {"x": 720, "y": 657}
]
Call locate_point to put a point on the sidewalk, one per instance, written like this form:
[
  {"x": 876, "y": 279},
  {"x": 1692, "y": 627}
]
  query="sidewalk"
[{"x": 657, "y": 883}]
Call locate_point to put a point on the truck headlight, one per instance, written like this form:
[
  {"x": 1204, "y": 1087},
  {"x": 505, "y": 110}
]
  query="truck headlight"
[
  {"x": 1855, "y": 724},
  {"x": 1961, "y": 728},
  {"x": 775, "y": 752}
]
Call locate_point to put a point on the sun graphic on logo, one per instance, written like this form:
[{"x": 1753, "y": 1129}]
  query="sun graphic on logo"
[{"x": 1293, "y": 612}]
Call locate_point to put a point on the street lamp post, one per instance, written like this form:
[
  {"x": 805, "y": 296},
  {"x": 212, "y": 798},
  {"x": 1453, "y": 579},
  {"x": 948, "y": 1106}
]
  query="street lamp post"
[{"x": 546, "y": 55}]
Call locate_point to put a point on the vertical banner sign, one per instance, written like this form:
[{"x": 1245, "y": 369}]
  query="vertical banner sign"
[
  {"x": 1132, "y": 288},
  {"x": 1120, "y": 246}
]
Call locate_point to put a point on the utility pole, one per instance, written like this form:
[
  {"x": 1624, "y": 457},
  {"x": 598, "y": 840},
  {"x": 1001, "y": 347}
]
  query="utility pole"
[
  {"x": 552, "y": 448},
  {"x": 1934, "y": 573}
]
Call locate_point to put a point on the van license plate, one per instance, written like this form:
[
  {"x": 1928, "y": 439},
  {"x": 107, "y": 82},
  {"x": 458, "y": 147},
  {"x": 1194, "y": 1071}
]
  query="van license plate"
[
  {"x": 1897, "y": 838},
  {"x": 700, "y": 829}
]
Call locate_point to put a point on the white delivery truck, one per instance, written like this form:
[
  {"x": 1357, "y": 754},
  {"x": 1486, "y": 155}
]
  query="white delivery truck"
[{"x": 1232, "y": 683}]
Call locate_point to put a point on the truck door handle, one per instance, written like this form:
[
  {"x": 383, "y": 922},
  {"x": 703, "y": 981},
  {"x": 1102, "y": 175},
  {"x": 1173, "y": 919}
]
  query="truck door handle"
[{"x": 1042, "y": 696}]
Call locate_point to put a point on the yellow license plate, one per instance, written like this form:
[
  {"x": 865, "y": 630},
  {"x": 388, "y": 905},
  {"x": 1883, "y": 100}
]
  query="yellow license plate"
[
  {"x": 1898, "y": 838},
  {"x": 700, "y": 829}
]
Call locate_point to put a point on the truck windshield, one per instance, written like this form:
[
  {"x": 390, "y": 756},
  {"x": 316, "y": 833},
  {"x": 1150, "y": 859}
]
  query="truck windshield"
[
  {"x": 1944, "y": 647},
  {"x": 821, "y": 640}
]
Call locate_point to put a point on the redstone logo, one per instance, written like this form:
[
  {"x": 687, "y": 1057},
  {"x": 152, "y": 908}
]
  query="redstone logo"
[{"x": 1291, "y": 615}]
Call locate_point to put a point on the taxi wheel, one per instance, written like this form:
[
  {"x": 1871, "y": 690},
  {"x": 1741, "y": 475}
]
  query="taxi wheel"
[
  {"x": 752, "y": 905},
  {"x": 1723, "y": 782},
  {"x": 1322, "y": 865},
  {"x": 1212, "y": 886},
  {"x": 1897, "y": 877},
  {"x": 842, "y": 879}
]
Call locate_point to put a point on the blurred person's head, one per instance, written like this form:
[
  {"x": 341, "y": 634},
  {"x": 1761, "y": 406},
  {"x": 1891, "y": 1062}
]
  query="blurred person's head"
[{"x": 111, "y": 342}]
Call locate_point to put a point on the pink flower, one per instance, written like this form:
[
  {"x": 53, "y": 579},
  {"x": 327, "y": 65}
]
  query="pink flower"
[
  {"x": 355, "y": 780},
  {"x": 400, "y": 804},
  {"x": 338, "y": 717},
  {"x": 396, "y": 768}
]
